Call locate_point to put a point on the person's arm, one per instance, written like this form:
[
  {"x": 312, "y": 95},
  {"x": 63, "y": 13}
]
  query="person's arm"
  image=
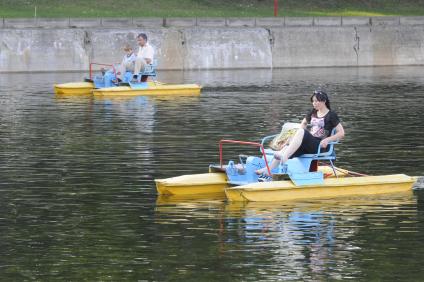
[
  {"x": 124, "y": 60},
  {"x": 149, "y": 54},
  {"x": 304, "y": 123},
  {"x": 338, "y": 136}
]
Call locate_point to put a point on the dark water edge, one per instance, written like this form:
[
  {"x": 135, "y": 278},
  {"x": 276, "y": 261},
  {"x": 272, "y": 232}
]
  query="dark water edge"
[{"x": 78, "y": 200}]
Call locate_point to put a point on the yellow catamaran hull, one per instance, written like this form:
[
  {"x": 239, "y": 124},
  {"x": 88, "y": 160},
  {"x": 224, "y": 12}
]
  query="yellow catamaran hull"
[
  {"x": 193, "y": 184},
  {"x": 87, "y": 88},
  {"x": 159, "y": 89},
  {"x": 332, "y": 187},
  {"x": 74, "y": 88}
]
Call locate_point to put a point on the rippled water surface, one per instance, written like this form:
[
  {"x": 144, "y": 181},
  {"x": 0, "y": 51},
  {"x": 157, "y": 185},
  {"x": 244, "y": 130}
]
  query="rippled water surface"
[{"x": 78, "y": 201}]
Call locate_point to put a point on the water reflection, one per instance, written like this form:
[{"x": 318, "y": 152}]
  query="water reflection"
[
  {"x": 302, "y": 240},
  {"x": 315, "y": 240},
  {"x": 78, "y": 201}
]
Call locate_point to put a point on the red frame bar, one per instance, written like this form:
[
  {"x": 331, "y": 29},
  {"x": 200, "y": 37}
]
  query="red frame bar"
[
  {"x": 221, "y": 142},
  {"x": 98, "y": 64}
]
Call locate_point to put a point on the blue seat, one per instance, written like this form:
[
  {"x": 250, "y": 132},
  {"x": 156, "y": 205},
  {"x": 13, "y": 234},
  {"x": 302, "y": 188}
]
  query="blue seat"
[
  {"x": 149, "y": 70},
  {"x": 329, "y": 155},
  {"x": 299, "y": 168}
]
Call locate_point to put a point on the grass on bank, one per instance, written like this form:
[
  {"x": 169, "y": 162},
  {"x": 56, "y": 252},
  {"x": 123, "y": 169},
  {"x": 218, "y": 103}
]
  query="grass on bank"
[{"x": 207, "y": 8}]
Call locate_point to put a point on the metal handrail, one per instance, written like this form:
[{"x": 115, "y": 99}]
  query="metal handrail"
[
  {"x": 221, "y": 142},
  {"x": 266, "y": 138},
  {"x": 99, "y": 64}
]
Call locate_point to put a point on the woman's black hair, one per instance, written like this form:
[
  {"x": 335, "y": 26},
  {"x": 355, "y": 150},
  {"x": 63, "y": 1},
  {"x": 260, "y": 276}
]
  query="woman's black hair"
[{"x": 322, "y": 97}]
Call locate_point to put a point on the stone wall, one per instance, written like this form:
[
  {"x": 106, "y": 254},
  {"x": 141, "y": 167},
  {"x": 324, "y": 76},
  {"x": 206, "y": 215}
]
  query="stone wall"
[{"x": 213, "y": 43}]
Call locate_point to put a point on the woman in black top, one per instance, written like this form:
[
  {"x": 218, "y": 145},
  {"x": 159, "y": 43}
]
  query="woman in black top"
[{"x": 322, "y": 120}]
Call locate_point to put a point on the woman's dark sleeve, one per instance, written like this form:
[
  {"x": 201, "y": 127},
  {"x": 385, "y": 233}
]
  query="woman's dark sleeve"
[{"x": 334, "y": 119}]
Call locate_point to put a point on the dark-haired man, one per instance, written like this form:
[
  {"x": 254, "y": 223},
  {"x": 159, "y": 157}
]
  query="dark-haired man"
[{"x": 145, "y": 54}]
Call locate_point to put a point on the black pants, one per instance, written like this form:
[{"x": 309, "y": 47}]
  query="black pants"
[{"x": 309, "y": 145}]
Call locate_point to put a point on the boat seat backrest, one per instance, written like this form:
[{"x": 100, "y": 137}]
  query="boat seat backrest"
[
  {"x": 150, "y": 69},
  {"x": 329, "y": 155}
]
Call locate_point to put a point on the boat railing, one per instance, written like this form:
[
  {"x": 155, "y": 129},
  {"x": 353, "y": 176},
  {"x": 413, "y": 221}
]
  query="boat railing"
[
  {"x": 267, "y": 138},
  {"x": 99, "y": 64},
  {"x": 255, "y": 144}
]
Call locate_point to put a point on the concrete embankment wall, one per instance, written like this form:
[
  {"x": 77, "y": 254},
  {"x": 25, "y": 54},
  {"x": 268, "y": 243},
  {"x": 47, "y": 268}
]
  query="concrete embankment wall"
[{"x": 213, "y": 43}]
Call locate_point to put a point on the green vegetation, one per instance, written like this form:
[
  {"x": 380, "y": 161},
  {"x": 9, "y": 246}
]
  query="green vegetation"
[{"x": 207, "y": 8}]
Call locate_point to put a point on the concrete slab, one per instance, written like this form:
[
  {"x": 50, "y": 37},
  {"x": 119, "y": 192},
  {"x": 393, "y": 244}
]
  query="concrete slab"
[
  {"x": 385, "y": 21},
  {"x": 53, "y": 23},
  {"x": 298, "y": 21},
  {"x": 85, "y": 22},
  {"x": 20, "y": 23},
  {"x": 412, "y": 20},
  {"x": 313, "y": 46},
  {"x": 180, "y": 22},
  {"x": 240, "y": 22},
  {"x": 43, "y": 49},
  {"x": 117, "y": 22},
  {"x": 211, "y": 22},
  {"x": 270, "y": 22},
  {"x": 356, "y": 21},
  {"x": 226, "y": 48},
  {"x": 328, "y": 21},
  {"x": 148, "y": 22}
]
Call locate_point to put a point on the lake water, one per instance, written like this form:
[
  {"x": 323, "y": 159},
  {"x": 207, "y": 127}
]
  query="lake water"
[{"x": 78, "y": 200}]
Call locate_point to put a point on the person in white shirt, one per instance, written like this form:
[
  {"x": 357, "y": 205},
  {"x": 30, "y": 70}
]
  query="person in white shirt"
[
  {"x": 145, "y": 55},
  {"x": 127, "y": 64}
]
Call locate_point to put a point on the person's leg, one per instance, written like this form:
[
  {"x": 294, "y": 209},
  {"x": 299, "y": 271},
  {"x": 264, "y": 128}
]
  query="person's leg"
[
  {"x": 108, "y": 78},
  {"x": 295, "y": 143},
  {"x": 120, "y": 71},
  {"x": 301, "y": 143},
  {"x": 139, "y": 65},
  {"x": 274, "y": 163},
  {"x": 127, "y": 76},
  {"x": 129, "y": 66}
]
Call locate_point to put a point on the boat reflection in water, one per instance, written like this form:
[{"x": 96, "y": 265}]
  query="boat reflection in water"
[
  {"x": 309, "y": 237},
  {"x": 292, "y": 240}
]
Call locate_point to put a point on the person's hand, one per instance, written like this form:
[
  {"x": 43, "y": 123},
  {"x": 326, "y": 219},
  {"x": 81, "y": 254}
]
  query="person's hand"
[
  {"x": 280, "y": 144},
  {"x": 324, "y": 143}
]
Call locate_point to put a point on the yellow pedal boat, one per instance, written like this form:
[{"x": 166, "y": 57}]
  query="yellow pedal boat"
[{"x": 298, "y": 178}]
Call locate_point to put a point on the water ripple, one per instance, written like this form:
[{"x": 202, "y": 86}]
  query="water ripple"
[{"x": 78, "y": 200}]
